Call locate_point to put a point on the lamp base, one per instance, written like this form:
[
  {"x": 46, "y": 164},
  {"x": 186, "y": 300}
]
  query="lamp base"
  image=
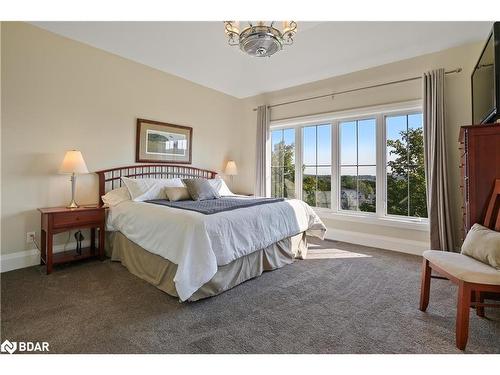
[
  {"x": 73, "y": 186},
  {"x": 72, "y": 205}
]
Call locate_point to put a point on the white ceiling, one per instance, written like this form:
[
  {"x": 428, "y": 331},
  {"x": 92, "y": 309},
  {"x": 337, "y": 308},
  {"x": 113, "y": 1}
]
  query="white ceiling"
[{"x": 198, "y": 51}]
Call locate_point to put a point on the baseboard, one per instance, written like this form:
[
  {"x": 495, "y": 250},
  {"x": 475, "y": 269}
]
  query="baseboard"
[
  {"x": 20, "y": 259},
  {"x": 375, "y": 240},
  {"x": 28, "y": 258}
]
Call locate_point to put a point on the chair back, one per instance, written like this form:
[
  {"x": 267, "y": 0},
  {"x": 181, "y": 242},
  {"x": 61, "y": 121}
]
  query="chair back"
[{"x": 492, "y": 217}]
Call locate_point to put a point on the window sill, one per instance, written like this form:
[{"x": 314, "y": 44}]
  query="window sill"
[{"x": 366, "y": 218}]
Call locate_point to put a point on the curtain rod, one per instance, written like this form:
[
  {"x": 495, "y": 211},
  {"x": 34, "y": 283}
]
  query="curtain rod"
[{"x": 457, "y": 70}]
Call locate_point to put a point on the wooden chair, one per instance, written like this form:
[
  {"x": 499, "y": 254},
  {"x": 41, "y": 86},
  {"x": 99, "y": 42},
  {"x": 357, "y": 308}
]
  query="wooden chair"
[{"x": 474, "y": 279}]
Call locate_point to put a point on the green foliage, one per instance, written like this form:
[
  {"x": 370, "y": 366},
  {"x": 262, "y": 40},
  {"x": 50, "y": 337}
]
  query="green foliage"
[
  {"x": 406, "y": 193},
  {"x": 349, "y": 182},
  {"x": 317, "y": 190},
  {"x": 283, "y": 170},
  {"x": 367, "y": 207},
  {"x": 309, "y": 189}
]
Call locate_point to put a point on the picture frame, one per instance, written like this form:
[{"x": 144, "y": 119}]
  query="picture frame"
[{"x": 161, "y": 142}]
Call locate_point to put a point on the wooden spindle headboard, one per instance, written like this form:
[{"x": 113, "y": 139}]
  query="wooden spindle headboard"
[{"x": 110, "y": 179}]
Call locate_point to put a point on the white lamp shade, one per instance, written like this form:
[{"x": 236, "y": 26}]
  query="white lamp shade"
[
  {"x": 231, "y": 168},
  {"x": 73, "y": 163}
]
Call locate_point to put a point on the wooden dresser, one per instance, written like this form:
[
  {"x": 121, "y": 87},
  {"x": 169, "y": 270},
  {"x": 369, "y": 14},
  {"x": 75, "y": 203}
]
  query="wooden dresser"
[{"x": 479, "y": 167}]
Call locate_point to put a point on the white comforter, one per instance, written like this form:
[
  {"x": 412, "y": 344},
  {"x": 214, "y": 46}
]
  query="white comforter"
[{"x": 199, "y": 243}]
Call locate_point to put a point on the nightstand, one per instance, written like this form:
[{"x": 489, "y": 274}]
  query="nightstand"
[{"x": 61, "y": 219}]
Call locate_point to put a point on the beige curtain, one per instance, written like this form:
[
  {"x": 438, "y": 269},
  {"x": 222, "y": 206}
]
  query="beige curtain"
[
  {"x": 261, "y": 185},
  {"x": 438, "y": 203}
]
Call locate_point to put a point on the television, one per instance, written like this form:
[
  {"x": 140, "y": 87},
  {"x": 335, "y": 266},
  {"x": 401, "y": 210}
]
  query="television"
[{"x": 485, "y": 81}]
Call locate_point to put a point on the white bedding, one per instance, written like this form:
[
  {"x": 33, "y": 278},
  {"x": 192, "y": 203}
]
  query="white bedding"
[{"x": 199, "y": 243}]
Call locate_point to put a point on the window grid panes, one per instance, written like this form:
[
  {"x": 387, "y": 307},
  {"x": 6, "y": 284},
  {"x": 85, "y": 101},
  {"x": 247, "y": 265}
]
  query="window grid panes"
[
  {"x": 358, "y": 164},
  {"x": 406, "y": 191},
  {"x": 401, "y": 188},
  {"x": 283, "y": 163},
  {"x": 316, "y": 165}
]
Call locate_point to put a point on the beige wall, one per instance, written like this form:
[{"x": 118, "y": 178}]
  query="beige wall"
[
  {"x": 458, "y": 112},
  {"x": 58, "y": 94}
]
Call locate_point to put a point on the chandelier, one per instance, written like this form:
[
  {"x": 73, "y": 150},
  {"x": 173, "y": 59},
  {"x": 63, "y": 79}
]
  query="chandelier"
[{"x": 260, "y": 38}]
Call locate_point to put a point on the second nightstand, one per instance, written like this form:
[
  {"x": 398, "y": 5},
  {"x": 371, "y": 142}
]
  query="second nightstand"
[{"x": 61, "y": 219}]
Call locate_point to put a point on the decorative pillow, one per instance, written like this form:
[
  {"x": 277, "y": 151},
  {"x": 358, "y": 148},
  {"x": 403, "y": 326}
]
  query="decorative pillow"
[
  {"x": 116, "y": 196},
  {"x": 220, "y": 186},
  {"x": 483, "y": 244},
  {"x": 143, "y": 189},
  {"x": 175, "y": 194},
  {"x": 200, "y": 189}
]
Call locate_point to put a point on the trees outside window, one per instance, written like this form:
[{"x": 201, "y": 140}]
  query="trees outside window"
[
  {"x": 406, "y": 194},
  {"x": 283, "y": 163},
  {"x": 316, "y": 165}
]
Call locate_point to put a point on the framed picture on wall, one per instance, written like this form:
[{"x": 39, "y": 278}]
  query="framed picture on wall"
[{"x": 159, "y": 142}]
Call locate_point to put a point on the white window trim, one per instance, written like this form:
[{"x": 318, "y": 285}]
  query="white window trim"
[
  {"x": 378, "y": 112},
  {"x": 372, "y": 218}
]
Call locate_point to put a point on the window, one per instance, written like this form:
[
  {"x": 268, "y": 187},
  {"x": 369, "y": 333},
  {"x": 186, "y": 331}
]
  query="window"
[
  {"x": 283, "y": 163},
  {"x": 406, "y": 195},
  {"x": 317, "y": 165},
  {"x": 358, "y": 164},
  {"x": 365, "y": 162}
]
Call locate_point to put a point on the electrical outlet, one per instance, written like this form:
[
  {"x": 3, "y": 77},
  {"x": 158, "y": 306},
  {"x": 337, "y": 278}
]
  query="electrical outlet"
[{"x": 30, "y": 237}]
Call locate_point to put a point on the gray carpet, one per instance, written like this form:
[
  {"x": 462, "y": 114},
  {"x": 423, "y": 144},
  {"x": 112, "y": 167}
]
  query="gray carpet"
[{"x": 363, "y": 303}]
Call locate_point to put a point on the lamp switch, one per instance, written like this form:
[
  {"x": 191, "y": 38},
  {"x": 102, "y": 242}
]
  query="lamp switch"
[{"x": 30, "y": 237}]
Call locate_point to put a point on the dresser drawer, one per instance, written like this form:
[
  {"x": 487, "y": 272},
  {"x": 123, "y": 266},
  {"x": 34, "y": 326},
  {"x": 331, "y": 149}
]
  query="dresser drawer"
[{"x": 61, "y": 220}]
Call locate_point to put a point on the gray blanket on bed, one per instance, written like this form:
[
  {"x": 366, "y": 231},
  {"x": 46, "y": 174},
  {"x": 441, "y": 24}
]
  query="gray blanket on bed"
[{"x": 213, "y": 206}]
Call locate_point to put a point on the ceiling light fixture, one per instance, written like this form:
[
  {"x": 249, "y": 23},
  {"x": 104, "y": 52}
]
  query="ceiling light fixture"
[{"x": 261, "y": 38}]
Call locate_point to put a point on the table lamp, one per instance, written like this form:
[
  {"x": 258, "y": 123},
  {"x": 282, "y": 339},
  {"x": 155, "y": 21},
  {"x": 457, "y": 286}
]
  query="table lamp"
[
  {"x": 231, "y": 170},
  {"x": 73, "y": 163}
]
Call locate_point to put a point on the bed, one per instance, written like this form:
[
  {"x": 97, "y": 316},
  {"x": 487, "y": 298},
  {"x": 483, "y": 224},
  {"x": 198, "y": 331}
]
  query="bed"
[{"x": 193, "y": 255}]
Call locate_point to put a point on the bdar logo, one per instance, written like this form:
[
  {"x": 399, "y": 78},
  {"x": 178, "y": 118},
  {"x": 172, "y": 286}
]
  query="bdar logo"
[{"x": 8, "y": 346}]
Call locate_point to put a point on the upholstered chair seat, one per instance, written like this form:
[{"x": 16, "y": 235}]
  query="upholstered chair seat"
[{"x": 464, "y": 267}]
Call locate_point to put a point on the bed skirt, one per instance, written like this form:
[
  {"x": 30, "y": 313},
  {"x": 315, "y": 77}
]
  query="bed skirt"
[{"x": 160, "y": 272}]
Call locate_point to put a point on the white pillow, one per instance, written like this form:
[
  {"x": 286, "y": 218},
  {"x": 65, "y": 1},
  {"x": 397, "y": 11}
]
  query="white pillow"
[
  {"x": 220, "y": 186},
  {"x": 483, "y": 244},
  {"x": 143, "y": 189},
  {"x": 116, "y": 196}
]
